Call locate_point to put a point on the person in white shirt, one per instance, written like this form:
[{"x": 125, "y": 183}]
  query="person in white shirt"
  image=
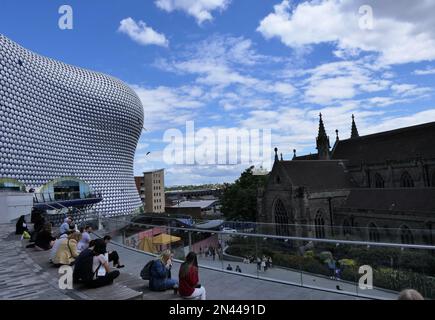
[{"x": 102, "y": 276}]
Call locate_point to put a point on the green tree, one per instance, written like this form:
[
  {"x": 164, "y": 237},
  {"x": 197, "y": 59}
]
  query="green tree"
[{"x": 239, "y": 199}]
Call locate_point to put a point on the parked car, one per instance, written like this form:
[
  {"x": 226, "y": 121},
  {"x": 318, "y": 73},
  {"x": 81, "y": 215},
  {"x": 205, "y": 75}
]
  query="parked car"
[{"x": 229, "y": 230}]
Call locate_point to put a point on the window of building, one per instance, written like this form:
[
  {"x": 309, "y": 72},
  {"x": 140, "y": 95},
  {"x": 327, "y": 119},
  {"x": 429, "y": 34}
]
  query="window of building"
[
  {"x": 379, "y": 181},
  {"x": 281, "y": 219},
  {"x": 406, "y": 180},
  {"x": 373, "y": 233},
  {"x": 278, "y": 179},
  {"x": 432, "y": 183},
  {"x": 319, "y": 225},
  {"x": 406, "y": 235}
]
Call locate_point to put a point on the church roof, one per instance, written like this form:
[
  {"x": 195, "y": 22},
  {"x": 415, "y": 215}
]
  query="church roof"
[
  {"x": 412, "y": 199},
  {"x": 317, "y": 175},
  {"x": 310, "y": 156},
  {"x": 401, "y": 144}
]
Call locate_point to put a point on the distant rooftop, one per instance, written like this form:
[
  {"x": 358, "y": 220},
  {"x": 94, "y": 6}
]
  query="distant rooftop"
[
  {"x": 203, "y": 204},
  {"x": 153, "y": 171}
]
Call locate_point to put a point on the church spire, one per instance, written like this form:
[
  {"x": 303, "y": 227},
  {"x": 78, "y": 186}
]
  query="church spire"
[
  {"x": 322, "y": 141},
  {"x": 354, "y": 132},
  {"x": 276, "y": 155},
  {"x": 322, "y": 131}
]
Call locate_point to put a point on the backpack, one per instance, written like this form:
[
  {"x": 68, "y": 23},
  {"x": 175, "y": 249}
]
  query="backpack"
[
  {"x": 83, "y": 267},
  {"x": 145, "y": 274}
]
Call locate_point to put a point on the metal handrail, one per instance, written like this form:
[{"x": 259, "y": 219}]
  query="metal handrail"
[
  {"x": 269, "y": 236},
  {"x": 270, "y": 224},
  {"x": 87, "y": 195}
]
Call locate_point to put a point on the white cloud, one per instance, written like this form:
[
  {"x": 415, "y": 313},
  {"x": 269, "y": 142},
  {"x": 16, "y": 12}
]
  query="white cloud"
[
  {"x": 200, "y": 9},
  {"x": 165, "y": 106},
  {"x": 223, "y": 61},
  {"x": 400, "y": 35},
  {"x": 392, "y": 123},
  {"x": 342, "y": 80},
  {"x": 424, "y": 72},
  {"x": 410, "y": 90},
  {"x": 140, "y": 33}
]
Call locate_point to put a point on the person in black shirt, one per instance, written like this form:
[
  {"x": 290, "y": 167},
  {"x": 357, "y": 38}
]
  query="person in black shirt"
[
  {"x": 44, "y": 239},
  {"x": 21, "y": 226}
]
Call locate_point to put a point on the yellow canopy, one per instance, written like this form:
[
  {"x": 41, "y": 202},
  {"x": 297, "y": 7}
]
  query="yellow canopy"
[
  {"x": 146, "y": 244},
  {"x": 163, "y": 239}
]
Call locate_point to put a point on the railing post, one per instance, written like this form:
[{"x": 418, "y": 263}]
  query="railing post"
[{"x": 190, "y": 241}]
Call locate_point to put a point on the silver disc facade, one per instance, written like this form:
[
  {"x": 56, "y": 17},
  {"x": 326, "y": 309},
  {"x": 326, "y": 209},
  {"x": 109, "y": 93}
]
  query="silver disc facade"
[{"x": 59, "y": 121}]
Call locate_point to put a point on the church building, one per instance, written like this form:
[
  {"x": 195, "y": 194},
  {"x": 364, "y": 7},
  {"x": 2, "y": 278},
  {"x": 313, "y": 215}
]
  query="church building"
[{"x": 378, "y": 187}]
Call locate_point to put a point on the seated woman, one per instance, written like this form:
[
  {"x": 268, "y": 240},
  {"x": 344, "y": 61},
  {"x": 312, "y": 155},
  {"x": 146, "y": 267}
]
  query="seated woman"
[
  {"x": 102, "y": 276},
  {"x": 44, "y": 239},
  {"x": 67, "y": 250},
  {"x": 160, "y": 279},
  {"x": 21, "y": 226},
  {"x": 56, "y": 245},
  {"x": 189, "y": 280}
]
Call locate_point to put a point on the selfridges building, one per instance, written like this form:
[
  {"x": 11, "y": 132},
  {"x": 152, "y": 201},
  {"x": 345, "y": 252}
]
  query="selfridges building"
[{"x": 62, "y": 123}]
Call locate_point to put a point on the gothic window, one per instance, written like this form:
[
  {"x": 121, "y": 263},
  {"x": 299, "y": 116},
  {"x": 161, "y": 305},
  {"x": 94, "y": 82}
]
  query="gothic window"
[
  {"x": 406, "y": 235},
  {"x": 373, "y": 233},
  {"x": 406, "y": 180},
  {"x": 319, "y": 225},
  {"x": 432, "y": 183},
  {"x": 379, "y": 181},
  {"x": 277, "y": 179},
  {"x": 281, "y": 219},
  {"x": 347, "y": 229}
]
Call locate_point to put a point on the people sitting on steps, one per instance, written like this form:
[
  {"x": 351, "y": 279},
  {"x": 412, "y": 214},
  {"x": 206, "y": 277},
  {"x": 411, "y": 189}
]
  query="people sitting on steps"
[
  {"x": 92, "y": 267},
  {"x": 113, "y": 255},
  {"x": 160, "y": 273},
  {"x": 56, "y": 244},
  {"x": 86, "y": 238},
  {"x": 189, "y": 287},
  {"x": 21, "y": 226},
  {"x": 65, "y": 226},
  {"x": 44, "y": 239},
  {"x": 67, "y": 250}
]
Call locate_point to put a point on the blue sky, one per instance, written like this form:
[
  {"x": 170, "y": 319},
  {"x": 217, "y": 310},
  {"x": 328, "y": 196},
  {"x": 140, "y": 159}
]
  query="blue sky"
[{"x": 254, "y": 64}]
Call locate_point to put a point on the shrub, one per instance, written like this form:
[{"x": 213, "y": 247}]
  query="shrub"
[
  {"x": 325, "y": 256},
  {"x": 307, "y": 264},
  {"x": 309, "y": 254},
  {"x": 348, "y": 263}
]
